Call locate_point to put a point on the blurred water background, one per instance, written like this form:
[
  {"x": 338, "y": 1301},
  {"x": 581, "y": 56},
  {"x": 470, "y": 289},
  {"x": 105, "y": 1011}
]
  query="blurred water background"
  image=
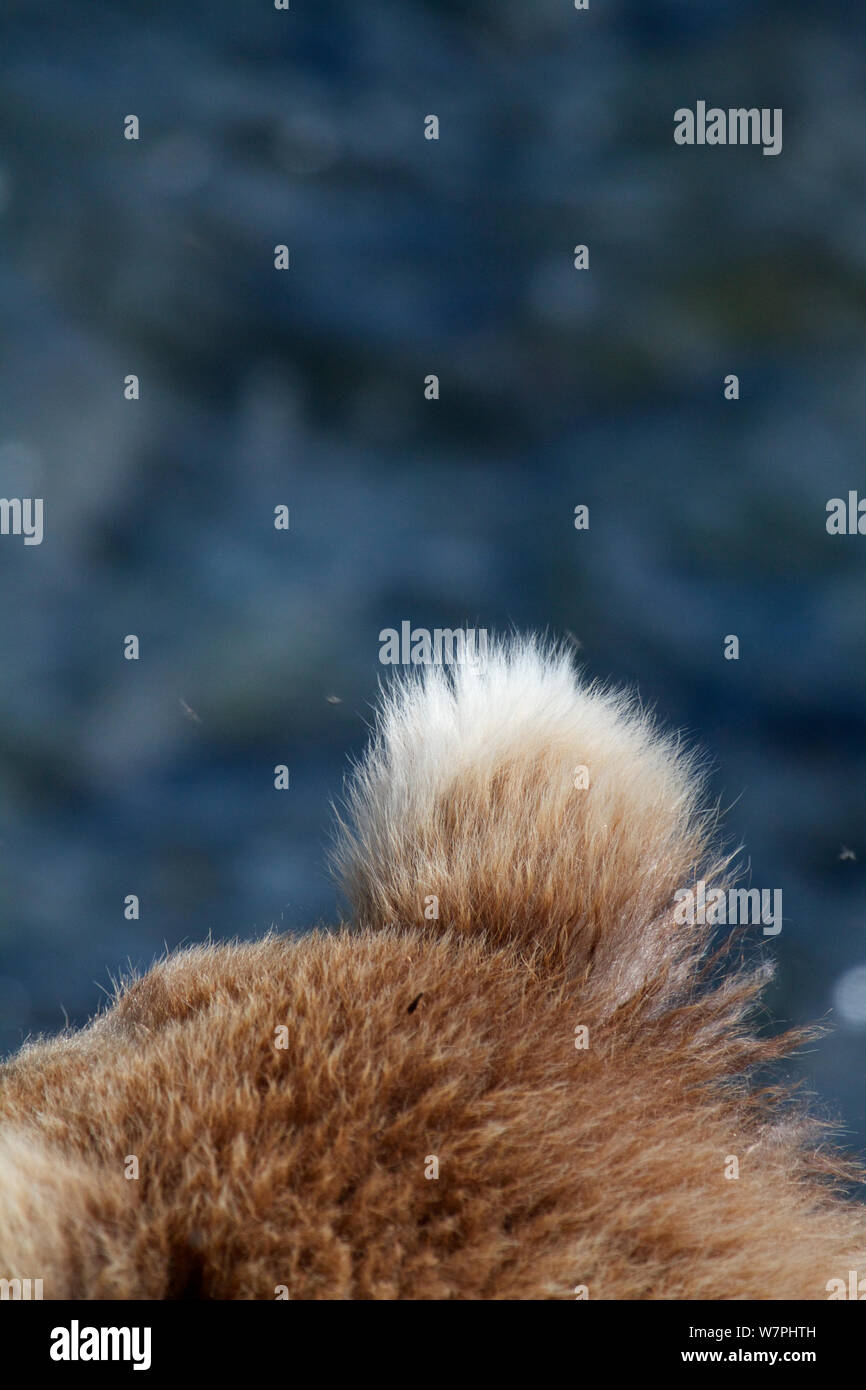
[{"x": 558, "y": 387}]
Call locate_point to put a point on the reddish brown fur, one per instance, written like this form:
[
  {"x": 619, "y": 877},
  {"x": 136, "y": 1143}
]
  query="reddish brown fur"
[{"x": 304, "y": 1167}]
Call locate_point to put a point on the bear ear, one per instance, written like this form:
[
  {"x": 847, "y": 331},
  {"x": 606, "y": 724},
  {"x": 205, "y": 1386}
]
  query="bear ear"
[{"x": 510, "y": 798}]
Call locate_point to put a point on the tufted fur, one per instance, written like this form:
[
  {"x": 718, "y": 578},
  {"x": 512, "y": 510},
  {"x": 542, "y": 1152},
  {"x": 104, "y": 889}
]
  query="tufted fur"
[{"x": 411, "y": 1037}]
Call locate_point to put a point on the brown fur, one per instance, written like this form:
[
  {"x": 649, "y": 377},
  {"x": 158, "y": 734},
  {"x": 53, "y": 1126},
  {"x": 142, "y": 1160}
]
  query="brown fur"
[{"x": 304, "y": 1166}]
